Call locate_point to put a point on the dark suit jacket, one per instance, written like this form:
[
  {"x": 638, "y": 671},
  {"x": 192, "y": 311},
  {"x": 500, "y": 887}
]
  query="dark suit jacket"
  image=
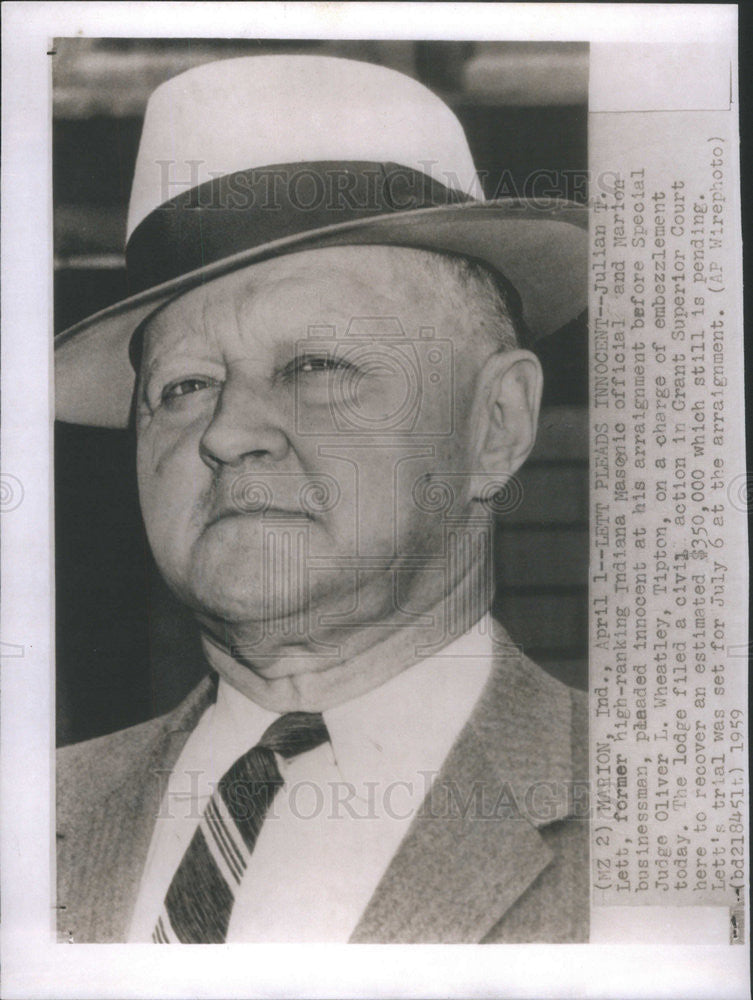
[{"x": 499, "y": 853}]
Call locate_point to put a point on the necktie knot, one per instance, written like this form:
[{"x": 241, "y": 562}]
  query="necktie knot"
[{"x": 295, "y": 733}]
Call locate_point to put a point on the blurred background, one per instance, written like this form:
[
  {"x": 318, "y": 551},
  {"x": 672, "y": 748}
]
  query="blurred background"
[{"x": 126, "y": 650}]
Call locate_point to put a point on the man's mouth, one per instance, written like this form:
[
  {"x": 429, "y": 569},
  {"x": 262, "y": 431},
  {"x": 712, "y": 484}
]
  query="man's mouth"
[
  {"x": 276, "y": 496},
  {"x": 270, "y": 513}
]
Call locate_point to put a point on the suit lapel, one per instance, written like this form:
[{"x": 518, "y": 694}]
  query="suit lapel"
[
  {"x": 112, "y": 839},
  {"x": 474, "y": 848}
]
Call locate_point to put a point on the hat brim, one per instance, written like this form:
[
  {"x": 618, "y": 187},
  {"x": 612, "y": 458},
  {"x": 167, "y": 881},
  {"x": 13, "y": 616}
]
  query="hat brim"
[{"x": 542, "y": 251}]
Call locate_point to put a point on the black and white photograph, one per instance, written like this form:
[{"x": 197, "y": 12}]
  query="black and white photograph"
[
  {"x": 321, "y": 631},
  {"x": 374, "y": 501}
]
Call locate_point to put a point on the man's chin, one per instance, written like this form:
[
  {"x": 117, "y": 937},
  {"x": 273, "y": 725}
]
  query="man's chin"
[
  {"x": 238, "y": 571},
  {"x": 241, "y": 601}
]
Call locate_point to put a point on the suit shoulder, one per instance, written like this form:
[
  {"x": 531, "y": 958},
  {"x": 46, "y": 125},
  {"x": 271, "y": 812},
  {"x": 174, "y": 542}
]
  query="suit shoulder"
[
  {"x": 571, "y": 701},
  {"x": 552, "y": 688},
  {"x": 94, "y": 767},
  {"x": 579, "y": 732},
  {"x": 88, "y": 771},
  {"x": 98, "y": 751},
  {"x": 579, "y": 701}
]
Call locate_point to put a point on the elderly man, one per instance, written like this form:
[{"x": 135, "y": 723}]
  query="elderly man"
[{"x": 332, "y": 393}]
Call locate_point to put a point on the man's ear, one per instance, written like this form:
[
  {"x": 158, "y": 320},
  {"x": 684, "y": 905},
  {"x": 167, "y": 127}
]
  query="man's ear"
[{"x": 505, "y": 416}]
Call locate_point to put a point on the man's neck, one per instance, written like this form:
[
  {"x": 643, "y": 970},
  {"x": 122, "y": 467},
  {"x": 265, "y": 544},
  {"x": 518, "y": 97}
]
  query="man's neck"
[{"x": 306, "y": 678}]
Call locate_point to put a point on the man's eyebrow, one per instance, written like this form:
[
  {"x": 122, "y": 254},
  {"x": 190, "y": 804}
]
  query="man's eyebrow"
[{"x": 168, "y": 358}]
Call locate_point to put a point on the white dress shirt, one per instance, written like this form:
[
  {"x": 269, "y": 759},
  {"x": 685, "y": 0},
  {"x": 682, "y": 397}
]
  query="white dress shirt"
[{"x": 334, "y": 826}]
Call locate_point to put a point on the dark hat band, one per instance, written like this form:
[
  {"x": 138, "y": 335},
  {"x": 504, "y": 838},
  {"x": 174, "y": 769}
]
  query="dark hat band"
[{"x": 250, "y": 208}]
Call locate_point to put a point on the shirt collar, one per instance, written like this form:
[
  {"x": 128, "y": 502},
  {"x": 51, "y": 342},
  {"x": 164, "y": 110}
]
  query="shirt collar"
[
  {"x": 408, "y": 724},
  {"x": 394, "y": 732}
]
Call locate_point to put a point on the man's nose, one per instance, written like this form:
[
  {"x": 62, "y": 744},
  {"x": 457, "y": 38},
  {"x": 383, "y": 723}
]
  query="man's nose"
[{"x": 246, "y": 424}]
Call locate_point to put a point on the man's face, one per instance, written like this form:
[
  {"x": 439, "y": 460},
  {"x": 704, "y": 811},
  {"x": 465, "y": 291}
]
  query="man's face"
[{"x": 292, "y": 418}]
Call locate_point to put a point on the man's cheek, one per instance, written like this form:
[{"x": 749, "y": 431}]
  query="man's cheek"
[
  {"x": 162, "y": 442},
  {"x": 164, "y": 445},
  {"x": 168, "y": 489},
  {"x": 152, "y": 449}
]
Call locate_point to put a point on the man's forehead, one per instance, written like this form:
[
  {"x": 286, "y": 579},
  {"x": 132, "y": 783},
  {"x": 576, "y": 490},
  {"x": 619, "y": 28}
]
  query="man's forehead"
[{"x": 288, "y": 295}]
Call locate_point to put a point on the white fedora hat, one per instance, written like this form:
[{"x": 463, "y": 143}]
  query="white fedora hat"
[{"x": 246, "y": 159}]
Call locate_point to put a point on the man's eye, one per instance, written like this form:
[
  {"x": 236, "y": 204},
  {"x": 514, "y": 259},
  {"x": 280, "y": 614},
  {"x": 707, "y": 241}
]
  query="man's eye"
[
  {"x": 186, "y": 386},
  {"x": 320, "y": 363}
]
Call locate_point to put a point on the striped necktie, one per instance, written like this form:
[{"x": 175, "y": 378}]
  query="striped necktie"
[{"x": 200, "y": 899}]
